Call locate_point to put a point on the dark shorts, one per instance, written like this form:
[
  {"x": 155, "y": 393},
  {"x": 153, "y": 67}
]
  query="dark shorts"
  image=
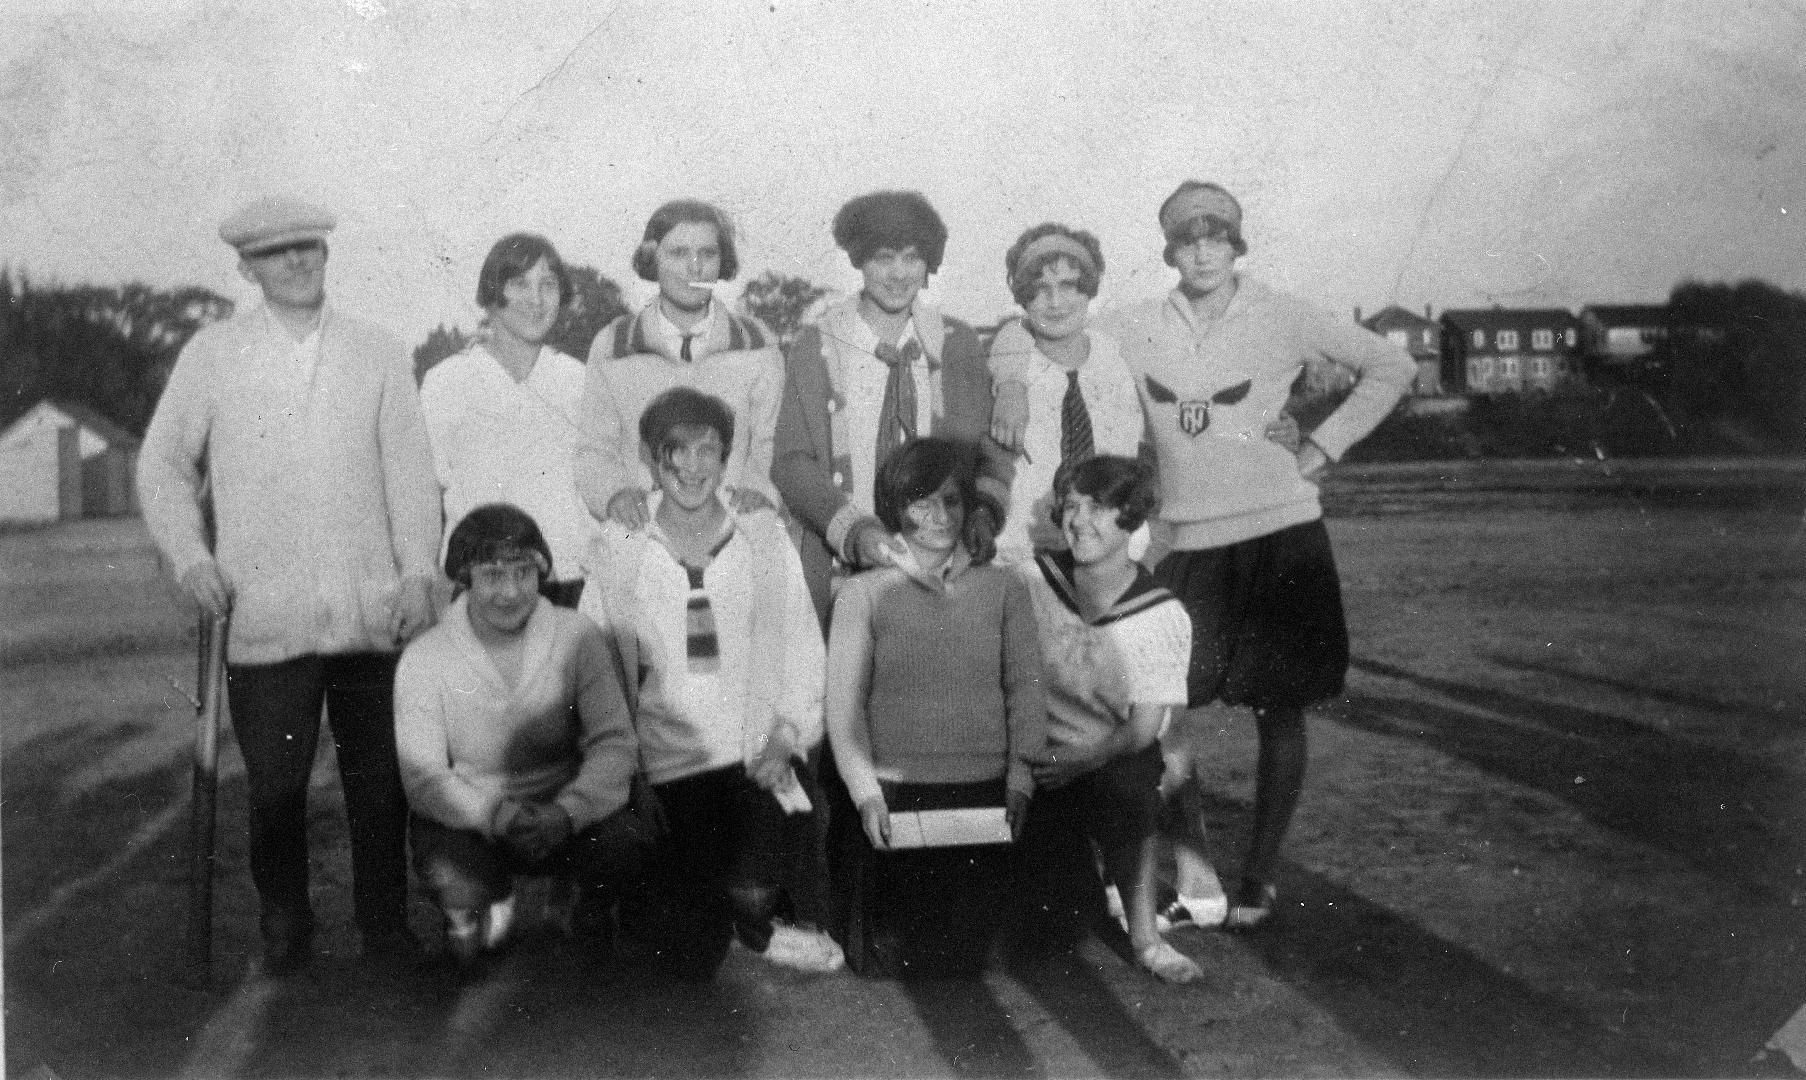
[{"x": 1266, "y": 619}]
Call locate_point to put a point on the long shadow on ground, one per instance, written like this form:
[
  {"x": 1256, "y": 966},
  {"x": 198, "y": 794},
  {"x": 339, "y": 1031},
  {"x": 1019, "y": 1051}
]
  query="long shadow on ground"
[
  {"x": 1712, "y": 986},
  {"x": 1719, "y": 811},
  {"x": 1412, "y": 996},
  {"x": 1424, "y": 1002}
]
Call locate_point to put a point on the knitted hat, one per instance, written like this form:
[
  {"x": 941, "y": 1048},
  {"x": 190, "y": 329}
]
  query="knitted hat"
[
  {"x": 275, "y": 222},
  {"x": 1199, "y": 209}
]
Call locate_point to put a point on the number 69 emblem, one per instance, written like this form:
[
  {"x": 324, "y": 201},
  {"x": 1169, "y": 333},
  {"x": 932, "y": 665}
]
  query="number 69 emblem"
[{"x": 1194, "y": 416}]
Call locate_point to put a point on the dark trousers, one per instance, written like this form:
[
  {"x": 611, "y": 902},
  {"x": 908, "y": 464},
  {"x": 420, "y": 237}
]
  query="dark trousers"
[
  {"x": 717, "y": 870},
  {"x": 465, "y": 869},
  {"x": 276, "y": 717}
]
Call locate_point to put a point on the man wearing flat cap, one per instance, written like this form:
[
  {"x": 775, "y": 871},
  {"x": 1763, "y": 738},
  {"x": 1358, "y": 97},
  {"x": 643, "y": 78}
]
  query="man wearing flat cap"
[
  {"x": 305, "y": 425},
  {"x": 1214, "y": 361}
]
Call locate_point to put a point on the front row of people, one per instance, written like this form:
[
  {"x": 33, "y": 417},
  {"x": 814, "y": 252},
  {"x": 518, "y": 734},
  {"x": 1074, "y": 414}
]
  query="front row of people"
[{"x": 522, "y": 727}]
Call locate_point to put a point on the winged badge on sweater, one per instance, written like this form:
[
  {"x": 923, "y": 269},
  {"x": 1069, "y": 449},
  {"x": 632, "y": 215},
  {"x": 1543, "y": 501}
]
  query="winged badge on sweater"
[{"x": 1194, "y": 416}]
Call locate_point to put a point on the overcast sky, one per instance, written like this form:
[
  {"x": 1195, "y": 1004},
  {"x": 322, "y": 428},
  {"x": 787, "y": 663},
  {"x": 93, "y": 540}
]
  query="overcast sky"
[{"x": 1399, "y": 152}]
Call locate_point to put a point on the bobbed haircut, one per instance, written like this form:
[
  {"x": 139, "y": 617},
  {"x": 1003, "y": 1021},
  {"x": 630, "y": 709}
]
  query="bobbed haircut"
[
  {"x": 917, "y": 469},
  {"x": 684, "y": 409},
  {"x": 1025, "y": 277},
  {"x": 1124, "y": 484},
  {"x": 670, "y": 216},
  {"x": 512, "y": 256},
  {"x": 896, "y": 220},
  {"x": 495, "y": 532}
]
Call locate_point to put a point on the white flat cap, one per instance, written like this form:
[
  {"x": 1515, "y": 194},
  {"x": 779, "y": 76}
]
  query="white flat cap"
[{"x": 273, "y": 222}]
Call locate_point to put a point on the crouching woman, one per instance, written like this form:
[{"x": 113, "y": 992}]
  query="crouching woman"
[
  {"x": 934, "y": 702},
  {"x": 1116, "y": 646},
  {"x": 516, "y": 746}
]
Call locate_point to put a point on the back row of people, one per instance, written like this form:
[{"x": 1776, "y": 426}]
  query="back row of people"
[{"x": 330, "y": 484}]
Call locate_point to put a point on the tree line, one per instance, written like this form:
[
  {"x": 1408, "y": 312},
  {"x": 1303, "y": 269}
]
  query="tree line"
[
  {"x": 1730, "y": 377},
  {"x": 109, "y": 347}
]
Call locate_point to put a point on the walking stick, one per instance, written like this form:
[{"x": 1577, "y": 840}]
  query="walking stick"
[{"x": 210, "y": 691}]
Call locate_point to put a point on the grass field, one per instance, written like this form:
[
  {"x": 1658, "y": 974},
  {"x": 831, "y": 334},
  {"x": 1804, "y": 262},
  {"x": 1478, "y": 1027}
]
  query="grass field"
[{"x": 1554, "y": 827}]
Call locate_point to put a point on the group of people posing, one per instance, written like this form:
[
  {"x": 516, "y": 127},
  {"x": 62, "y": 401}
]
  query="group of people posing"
[{"x": 886, "y": 648}]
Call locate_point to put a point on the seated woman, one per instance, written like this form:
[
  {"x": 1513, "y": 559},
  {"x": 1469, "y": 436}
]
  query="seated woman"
[
  {"x": 516, "y": 746},
  {"x": 934, "y": 702},
  {"x": 1116, "y": 647}
]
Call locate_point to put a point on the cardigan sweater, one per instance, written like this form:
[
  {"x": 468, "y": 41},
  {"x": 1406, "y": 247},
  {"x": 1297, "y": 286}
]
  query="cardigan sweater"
[
  {"x": 467, "y": 739},
  {"x": 935, "y": 679},
  {"x": 735, "y": 359},
  {"x": 769, "y": 681},
  {"x": 1210, "y": 391},
  {"x": 804, "y": 467},
  {"x": 322, "y": 480},
  {"x": 498, "y": 440}
]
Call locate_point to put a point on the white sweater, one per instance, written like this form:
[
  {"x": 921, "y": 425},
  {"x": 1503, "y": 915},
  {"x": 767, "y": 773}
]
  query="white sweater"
[
  {"x": 772, "y": 658},
  {"x": 467, "y": 739},
  {"x": 322, "y": 480},
  {"x": 498, "y": 440}
]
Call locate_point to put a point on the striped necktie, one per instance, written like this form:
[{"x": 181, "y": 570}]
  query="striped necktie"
[
  {"x": 1075, "y": 431},
  {"x": 702, "y": 647}
]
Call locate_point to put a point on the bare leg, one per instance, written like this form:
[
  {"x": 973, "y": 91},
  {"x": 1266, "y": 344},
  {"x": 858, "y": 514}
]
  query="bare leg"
[{"x": 1131, "y": 869}]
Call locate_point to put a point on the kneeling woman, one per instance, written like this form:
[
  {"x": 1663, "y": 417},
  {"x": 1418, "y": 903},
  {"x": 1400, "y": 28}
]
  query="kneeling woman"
[
  {"x": 934, "y": 702},
  {"x": 516, "y": 747},
  {"x": 1116, "y": 646}
]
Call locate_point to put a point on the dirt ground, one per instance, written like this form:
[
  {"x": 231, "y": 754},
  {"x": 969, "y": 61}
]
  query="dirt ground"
[{"x": 1553, "y": 828}]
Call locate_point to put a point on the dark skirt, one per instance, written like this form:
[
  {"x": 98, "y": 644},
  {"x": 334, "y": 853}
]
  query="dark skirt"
[
  {"x": 1266, "y": 619},
  {"x": 920, "y": 912}
]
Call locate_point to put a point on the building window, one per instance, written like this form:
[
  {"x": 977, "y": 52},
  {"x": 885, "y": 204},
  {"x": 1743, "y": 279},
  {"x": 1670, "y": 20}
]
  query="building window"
[
  {"x": 1542, "y": 339},
  {"x": 1539, "y": 365},
  {"x": 1508, "y": 340},
  {"x": 1570, "y": 337},
  {"x": 1508, "y": 365},
  {"x": 1479, "y": 339},
  {"x": 1399, "y": 337},
  {"x": 1479, "y": 372}
]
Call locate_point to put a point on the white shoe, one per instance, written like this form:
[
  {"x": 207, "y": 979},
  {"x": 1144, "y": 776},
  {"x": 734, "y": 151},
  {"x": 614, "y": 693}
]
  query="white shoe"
[
  {"x": 501, "y": 920},
  {"x": 1204, "y": 912},
  {"x": 803, "y": 950}
]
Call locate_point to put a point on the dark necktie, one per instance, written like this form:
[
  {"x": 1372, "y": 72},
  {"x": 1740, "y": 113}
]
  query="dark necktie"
[
  {"x": 897, "y": 415},
  {"x": 684, "y": 353},
  {"x": 1075, "y": 431}
]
